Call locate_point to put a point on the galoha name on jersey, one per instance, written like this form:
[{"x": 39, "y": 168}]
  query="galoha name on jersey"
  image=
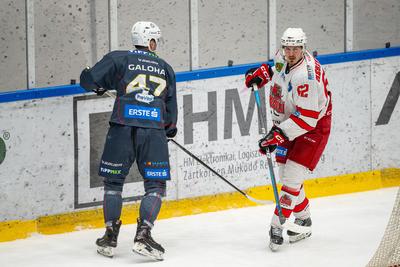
[{"x": 148, "y": 68}]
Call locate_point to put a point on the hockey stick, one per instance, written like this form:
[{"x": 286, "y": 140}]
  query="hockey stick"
[
  {"x": 110, "y": 94},
  {"x": 282, "y": 219},
  {"x": 259, "y": 201}
]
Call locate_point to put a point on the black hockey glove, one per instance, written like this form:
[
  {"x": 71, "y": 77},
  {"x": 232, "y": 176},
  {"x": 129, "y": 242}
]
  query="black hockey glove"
[
  {"x": 249, "y": 76},
  {"x": 274, "y": 138},
  {"x": 99, "y": 91},
  {"x": 170, "y": 133}
]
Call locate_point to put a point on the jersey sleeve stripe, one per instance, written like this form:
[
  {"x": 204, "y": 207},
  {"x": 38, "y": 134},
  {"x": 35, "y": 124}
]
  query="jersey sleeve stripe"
[
  {"x": 301, "y": 123},
  {"x": 308, "y": 113}
]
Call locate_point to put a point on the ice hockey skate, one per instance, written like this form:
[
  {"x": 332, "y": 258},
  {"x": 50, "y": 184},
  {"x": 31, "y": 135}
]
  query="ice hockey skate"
[
  {"x": 107, "y": 243},
  {"x": 276, "y": 238},
  {"x": 145, "y": 245},
  {"x": 295, "y": 237}
]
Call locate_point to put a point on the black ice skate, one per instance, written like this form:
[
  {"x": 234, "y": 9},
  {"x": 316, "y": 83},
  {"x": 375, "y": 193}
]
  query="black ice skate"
[
  {"x": 293, "y": 236},
  {"x": 145, "y": 245},
  {"x": 107, "y": 243},
  {"x": 276, "y": 239}
]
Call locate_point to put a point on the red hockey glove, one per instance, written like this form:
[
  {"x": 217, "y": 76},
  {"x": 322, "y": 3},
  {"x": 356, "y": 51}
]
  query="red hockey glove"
[
  {"x": 260, "y": 76},
  {"x": 274, "y": 138}
]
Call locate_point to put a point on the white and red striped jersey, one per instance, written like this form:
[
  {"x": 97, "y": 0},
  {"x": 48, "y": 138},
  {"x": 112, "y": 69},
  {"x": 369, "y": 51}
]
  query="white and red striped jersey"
[{"x": 299, "y": 96}]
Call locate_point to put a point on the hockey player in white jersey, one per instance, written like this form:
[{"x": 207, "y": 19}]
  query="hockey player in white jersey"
[{"x": 300, "y": 102}]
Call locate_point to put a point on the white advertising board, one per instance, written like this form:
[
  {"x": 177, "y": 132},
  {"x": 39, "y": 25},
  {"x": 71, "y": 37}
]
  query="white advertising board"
[{"x": 53, "y": 145}]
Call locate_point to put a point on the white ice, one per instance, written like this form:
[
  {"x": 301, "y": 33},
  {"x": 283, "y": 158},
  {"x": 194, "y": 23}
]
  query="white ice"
[{"x": 347, "y": 230}]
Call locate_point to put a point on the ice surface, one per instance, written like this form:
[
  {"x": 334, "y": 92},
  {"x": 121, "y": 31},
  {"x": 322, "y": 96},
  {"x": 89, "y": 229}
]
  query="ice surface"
[{"x": 347, "y": 230}]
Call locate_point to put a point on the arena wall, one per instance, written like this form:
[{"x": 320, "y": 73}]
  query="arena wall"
[
  {"x": 48, "y": 42},
  {"x": 53, "y": 138}
]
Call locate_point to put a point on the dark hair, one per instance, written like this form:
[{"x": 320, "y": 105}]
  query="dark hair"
[{"x": 140, "y": 47}]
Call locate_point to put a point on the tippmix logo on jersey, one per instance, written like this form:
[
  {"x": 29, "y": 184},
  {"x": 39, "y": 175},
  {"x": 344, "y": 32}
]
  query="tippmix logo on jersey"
[
  {"x": 141, "y": 52},
  {"x": 110, "y": 171},
  {"x": 144, "y": 113},
  {"x": 144, "y": 97},
  {"x": 156, "y": 173}
]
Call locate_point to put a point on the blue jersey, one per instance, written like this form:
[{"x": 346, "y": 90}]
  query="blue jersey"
[{"x": 145, "y": 85}]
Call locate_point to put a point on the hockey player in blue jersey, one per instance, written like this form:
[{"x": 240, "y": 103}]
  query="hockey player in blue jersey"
[{"x": 144, "y": 116}]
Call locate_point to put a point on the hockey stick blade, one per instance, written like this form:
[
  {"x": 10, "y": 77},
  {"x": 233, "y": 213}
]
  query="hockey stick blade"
[
  {"x": 258, "y": 201},
  {"x": 110, "y": 94}
]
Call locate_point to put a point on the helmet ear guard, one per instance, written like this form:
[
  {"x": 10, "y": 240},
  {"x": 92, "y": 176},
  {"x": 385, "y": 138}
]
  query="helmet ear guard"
[{"x": 145, "y": 31}]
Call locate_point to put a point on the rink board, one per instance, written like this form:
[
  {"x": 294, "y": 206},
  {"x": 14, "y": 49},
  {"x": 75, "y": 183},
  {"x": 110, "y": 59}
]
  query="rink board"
[{"x": 49, "y": 175}]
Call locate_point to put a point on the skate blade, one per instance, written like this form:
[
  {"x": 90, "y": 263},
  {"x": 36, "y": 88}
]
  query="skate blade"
[
  {"x": 274, "y": 247},
  {"x": 297, "y": 238},
  {"x": 142, "y": 250},
  {"x": 106, "y": 251}
]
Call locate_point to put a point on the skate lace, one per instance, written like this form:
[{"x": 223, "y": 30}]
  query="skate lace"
[
  {"x": 302, "y": 222},
  {"x": 298, "y": 221},
  {"x": 276, "y": 231},
  {"x": 143, "y": 233},
  {"x": 109, "y": 233}
]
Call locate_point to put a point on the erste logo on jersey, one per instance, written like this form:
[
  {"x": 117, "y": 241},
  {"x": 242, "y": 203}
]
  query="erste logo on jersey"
[
  {"x": 275, "y": 99},
  {"x": 139, "y": 112},
  {"x": 156, "y": 173}
]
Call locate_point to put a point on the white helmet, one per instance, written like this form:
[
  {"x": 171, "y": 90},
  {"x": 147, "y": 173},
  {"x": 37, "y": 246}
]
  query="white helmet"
[
  {"x": 294, "y": 37},
  {"x": 143, "y": 32}
]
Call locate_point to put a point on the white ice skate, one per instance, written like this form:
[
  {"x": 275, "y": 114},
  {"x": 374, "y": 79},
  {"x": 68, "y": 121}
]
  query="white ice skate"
[{"x": 295, "y": 237}]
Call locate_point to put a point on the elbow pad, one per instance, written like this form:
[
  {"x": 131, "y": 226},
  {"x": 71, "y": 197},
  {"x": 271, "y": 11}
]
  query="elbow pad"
[{"x": 86, "y": 80}]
